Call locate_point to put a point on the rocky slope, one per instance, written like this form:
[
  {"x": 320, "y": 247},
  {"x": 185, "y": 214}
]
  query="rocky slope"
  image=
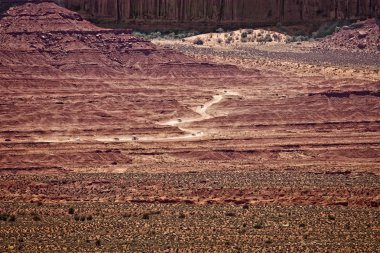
[
  {"x": 364, "y": 35},
  {"x": 228, "y": 13},
  {"x": 45, "y": 38}
]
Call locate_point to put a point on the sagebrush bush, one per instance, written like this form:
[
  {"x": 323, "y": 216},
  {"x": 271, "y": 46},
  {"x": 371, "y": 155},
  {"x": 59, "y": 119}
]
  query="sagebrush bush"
[{"x": 198, "y": 41}]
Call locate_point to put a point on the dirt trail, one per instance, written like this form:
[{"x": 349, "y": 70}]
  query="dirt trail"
[
  {"x": 203, "y": 115},
  {"x": 189, "y": 134}
]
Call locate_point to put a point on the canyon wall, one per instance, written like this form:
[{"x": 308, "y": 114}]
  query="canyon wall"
[
  {"x": 207, "y": 14},
  {"x": 199, "y": 14}
]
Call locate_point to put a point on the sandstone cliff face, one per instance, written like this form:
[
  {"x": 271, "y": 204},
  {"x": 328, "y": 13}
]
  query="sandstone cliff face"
[{"x": 195, "y": 13}]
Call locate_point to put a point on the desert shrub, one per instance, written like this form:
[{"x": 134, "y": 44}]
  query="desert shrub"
[
  {"x": 300, "y": 33},
  {"x": 250, "y": 31},
  {"x": 220, "y": 30},
  {"x": 258, "y": 226},
  {"x": 245, "y": 206},
  {"x": 198, "y": 41},
  {"x": 89, "y": 217},
  {"x": 155, "y": 35},
  {"x": 301, "y": 38},
  {"x": 98, "y": 243},
  {"x": 219, "y": 41},
  {"x": 36, "y": 217},
  {"x": 192, "y": 33},
  {"x": 170, "y": 36},
  {"x": 356, "y": 25},
  {"x": 268, "y": 38},
  {"x": 281, "y": 28},
  {"x": 4, "y": 217},
  {"x": 181, "y": 35},
  {"x": 230, "y": 214},
  {"x": 244, "y": 35},
  {"x": 290, "y": 39},
  {"x": 229, "y": 40},
  {"x": 331, "y": 217},
  {"x": 302, "y": 225},
  {"x": 182, "y": 216},
  {"x": 329, "y": 28},
  {"x": 146, "y": 216},
  {"x": 71, "y": 210},
  {"x": 12, "y": 218},
  {"x": 260, "y": 39},
  {"x": 138, "y": 34},
  {"x": 82, "y": 218}
]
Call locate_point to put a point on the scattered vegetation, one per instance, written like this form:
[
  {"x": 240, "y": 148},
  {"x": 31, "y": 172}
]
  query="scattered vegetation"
[
  {"x": 7, "y": 217},
  {"x": 244, "y": 34},
  {"x": 71, "y": 210},
  {"x": 264, "y": 39},
  {"x": 198, "y": 41},
  {"x": 169, "y": 35},
  {"x": 220, "y": 30},
  {"x": 4, "y": 217},
  {"x": 229, "y": 40},
  {"x": 36, "y": 217},
  {"x": 258, "y": 225},
  {"x": 230, "y": 214},
  {"x": 329, "y": 28}
]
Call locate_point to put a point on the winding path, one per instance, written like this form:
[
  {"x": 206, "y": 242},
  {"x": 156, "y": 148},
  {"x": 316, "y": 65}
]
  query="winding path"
[{"x": 189, "y": 133}]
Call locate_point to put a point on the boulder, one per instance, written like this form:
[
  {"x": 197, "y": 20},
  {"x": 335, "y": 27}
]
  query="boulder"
[
  {"x": 362, "y": 46},
  {"x": 362, "y": 34}
]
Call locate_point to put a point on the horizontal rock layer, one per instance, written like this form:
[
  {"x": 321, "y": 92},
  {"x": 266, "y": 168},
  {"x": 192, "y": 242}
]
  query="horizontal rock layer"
[{"x": 227, "y": 13}]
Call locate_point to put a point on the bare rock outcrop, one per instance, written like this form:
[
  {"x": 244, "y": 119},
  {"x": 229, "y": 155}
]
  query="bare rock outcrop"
[{"x": 228, "y": 13}]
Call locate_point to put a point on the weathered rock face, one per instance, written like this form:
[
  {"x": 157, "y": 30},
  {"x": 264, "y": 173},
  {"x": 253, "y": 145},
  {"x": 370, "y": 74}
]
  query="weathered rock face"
[
  {"x": 5, "y": 4},
  {"x": 229, "y": 13}
]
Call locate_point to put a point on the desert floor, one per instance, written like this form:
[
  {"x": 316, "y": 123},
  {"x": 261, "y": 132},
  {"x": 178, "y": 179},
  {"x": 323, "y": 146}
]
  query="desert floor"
[{"x": 111, "y": 143}]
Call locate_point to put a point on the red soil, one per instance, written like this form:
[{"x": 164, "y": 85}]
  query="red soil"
[{"x": 72, "y": 92}]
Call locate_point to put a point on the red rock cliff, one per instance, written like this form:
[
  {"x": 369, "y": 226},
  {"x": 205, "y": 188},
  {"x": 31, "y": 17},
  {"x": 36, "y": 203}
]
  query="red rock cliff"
[{"x": 229, "y": 13}]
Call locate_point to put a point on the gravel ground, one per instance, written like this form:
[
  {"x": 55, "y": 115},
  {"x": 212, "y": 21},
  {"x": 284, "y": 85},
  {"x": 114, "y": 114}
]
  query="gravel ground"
[
  {"x": 296, "y": 53},
  {"x": 113, "y": 227}
]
